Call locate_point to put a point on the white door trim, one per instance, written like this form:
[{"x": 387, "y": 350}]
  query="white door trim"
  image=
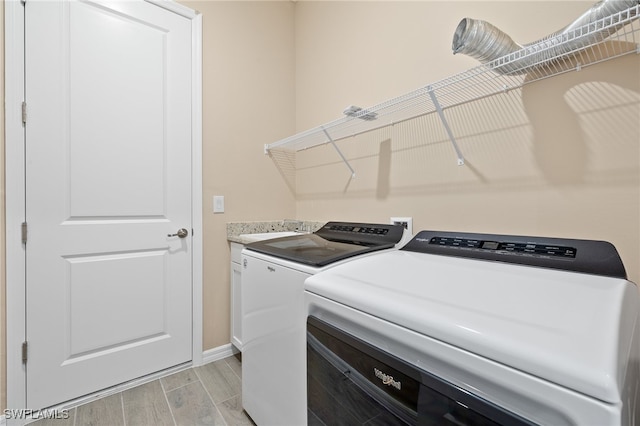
[
  {"x": 196, "y": 185},
  {"x": 14, "y": 201},
  {"x": 15, "y": 192}
]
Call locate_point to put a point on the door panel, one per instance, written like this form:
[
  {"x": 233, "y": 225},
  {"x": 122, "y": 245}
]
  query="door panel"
[
  {"x": 108, "y": 89},
  {"x": 99, "y": 318},
  {"x": 117, "y": 145}
]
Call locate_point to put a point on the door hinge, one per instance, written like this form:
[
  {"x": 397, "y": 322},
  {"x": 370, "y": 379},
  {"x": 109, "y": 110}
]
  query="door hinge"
[
  {"x": 24, "y": 232},
  {"x": 24, "y": 352},
  {"x": 24, "y": 113}
]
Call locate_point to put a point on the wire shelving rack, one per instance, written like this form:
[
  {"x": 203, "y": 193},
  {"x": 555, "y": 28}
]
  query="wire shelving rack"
[{"x": 572, "y": 51}]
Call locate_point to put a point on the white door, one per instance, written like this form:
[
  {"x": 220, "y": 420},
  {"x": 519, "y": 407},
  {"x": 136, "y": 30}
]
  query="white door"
[{"x": 108, "y": 152}]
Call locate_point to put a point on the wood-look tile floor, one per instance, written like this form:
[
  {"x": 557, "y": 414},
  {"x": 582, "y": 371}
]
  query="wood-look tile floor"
[{"x": 205, "y": 395}]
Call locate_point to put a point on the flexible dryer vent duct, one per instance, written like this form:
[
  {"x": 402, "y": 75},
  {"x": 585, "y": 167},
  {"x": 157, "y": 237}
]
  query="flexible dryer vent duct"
[{"x": 485, "y": 42}]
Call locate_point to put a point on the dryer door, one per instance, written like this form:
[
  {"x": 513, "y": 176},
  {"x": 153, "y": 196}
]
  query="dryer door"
[{"x": 352, "y": 381}]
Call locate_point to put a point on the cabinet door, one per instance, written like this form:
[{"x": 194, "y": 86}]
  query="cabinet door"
[{"x": 236, "y": 306}]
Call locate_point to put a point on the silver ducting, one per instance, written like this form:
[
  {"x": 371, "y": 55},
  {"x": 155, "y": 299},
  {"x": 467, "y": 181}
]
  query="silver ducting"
[{"x": 485, "y": 42}]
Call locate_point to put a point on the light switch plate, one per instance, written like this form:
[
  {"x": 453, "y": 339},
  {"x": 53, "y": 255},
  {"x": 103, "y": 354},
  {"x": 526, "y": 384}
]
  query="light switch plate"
[{"x": 218, "y": 203}]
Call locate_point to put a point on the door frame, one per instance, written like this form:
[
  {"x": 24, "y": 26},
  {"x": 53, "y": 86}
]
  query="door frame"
[{"x": 15, "y": 192}]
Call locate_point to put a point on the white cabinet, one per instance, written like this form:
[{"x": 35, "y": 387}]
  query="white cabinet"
[{"x": 236, "y": 301}]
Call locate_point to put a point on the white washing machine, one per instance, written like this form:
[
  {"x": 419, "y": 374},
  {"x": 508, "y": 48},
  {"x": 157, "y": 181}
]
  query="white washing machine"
[
  {"x": 273, "y": 311},
  {"x": 467, "y": 329}
]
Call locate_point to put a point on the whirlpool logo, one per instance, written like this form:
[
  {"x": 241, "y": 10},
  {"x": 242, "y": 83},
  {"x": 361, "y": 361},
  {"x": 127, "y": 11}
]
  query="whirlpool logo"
[{"x": 387, "y": 379}]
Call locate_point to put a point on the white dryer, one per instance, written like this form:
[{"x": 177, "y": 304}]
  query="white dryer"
[
  {"x": 467, "y": 329},
  {"x": 273, "y": 311}
]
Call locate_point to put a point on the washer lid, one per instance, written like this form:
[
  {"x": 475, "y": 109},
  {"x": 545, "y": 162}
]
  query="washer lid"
[
  {"x": 572, "y": 329},
  {"x": 333, "y": 242},
  {"x": 312, "y": 249}
]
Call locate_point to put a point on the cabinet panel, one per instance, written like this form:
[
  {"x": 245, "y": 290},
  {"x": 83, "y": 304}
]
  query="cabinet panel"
[{"x": 236, "y": 306}]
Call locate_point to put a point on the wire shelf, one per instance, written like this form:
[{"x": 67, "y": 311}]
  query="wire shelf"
[{"x": 602, "y": 40}]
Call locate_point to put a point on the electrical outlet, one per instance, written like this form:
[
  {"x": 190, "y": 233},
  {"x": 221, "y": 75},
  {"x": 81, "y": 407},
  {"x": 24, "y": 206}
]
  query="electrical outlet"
[{"x": 407, "y": 222}]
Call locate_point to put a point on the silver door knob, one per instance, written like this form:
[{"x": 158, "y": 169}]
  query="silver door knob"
[{"x": 182, "y": 233}]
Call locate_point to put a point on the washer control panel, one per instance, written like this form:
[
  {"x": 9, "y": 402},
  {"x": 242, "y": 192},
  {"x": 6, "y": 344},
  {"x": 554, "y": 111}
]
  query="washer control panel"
[
  {"x": 362, "y": 233},
  {"x": 358, "y": 229}
]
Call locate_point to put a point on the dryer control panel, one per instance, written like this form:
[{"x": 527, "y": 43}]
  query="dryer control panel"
[{"x": 588, "y": 256}]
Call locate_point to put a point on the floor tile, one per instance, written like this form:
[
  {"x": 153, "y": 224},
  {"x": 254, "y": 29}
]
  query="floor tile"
[
  {"x": 146, "y": 405},
  {"x": 235, "y": 365},
  {"x": 105, "y": 411},
  {"x": 220, "y": 380},
  {"x": 179, "y": 379},
  {"x": 205, "y": 395},
  {"x": 232, "y": 411},
  {"x": 192, "y": 406}
]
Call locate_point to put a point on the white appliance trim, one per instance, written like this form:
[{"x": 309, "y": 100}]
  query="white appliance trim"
[{"x": 15, "y": 195}]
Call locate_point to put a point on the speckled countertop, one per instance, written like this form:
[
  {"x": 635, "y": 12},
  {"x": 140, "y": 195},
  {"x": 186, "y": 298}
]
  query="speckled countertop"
[{"x": 235, "y": 229}]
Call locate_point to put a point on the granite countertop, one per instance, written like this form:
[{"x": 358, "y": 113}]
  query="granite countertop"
[{"x": 235, "y": 229}]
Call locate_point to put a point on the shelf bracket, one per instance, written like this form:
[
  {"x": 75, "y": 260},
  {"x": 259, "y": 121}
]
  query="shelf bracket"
[
  {"x": 436, "y": 104},
  {"x": 353, "y": 173}
]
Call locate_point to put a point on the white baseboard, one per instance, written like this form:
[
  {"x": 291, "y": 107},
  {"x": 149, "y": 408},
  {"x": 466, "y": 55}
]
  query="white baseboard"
[{"x": 218, "y": 353}]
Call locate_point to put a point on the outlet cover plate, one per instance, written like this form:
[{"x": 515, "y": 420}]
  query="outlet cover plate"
[{"x": 407, "y": 222}]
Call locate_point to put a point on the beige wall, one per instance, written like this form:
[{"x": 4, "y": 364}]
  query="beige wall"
[
  {"x": 248, "y": 100},
  {"x": 557, "y": 158}
]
